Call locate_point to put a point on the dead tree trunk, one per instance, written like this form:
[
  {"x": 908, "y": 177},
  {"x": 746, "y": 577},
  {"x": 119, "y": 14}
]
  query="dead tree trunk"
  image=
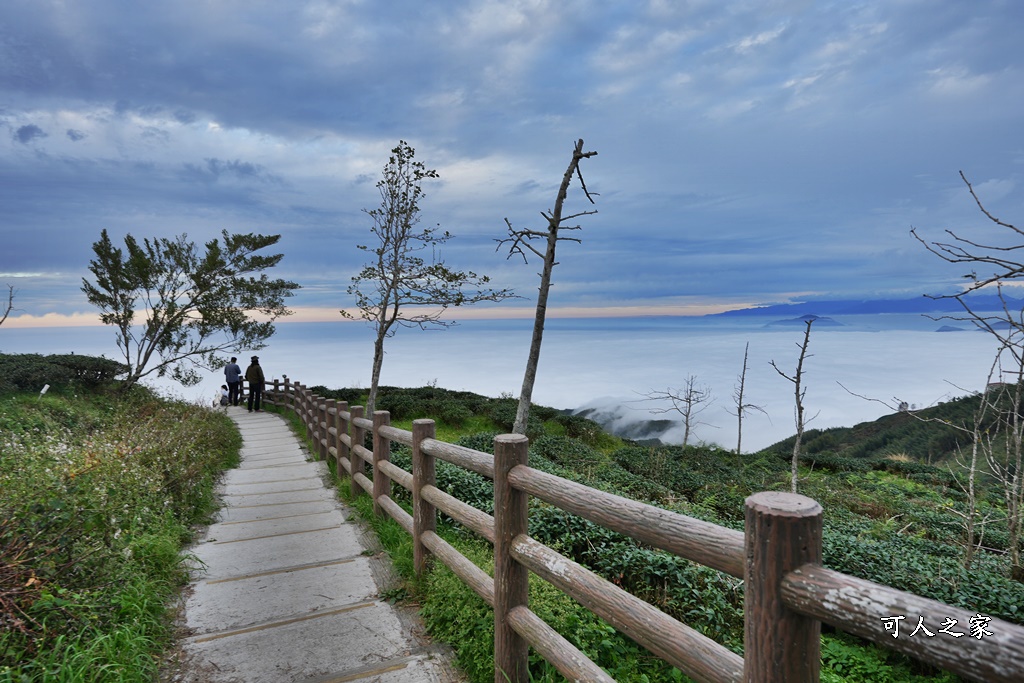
[
  {"x": 519, "y": 240},
  {"x": 800, "y": 391},
  {"x": 739, "y": 398}
]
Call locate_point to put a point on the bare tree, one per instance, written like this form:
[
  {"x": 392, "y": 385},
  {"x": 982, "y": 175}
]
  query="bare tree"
[
  {"x": 520, "y": 242},
  {"x": 998, "y": 264},
  {"x": 800, "y": 392},
  {"x": 9, "y": 306},
  {"x": 1005, "y": 462},
  {"x": 741, "y": 407},
  {"x": 689, "y": 401},
  {"x": 983, "y": 443},
  {"x": 399, "y": 288}
]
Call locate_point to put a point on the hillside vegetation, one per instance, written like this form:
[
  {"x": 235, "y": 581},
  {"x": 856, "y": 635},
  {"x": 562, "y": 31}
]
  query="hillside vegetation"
[
  {"x": 99, "y": 492},
  {"x": 889, "y": 520}
]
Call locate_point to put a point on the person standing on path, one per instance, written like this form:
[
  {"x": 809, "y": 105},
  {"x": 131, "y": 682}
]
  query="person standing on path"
[
  {"x": 254, "y": 376},
  {"x": 233, "y": 376}
]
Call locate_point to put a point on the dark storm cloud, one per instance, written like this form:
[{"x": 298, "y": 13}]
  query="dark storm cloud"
[{"x": 26, "y": 134}]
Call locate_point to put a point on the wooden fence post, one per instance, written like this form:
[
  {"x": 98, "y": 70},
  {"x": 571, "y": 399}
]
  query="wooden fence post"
[
  {"x": 783, "y": 531},
  {"x": 343, "y": 428},
  {"x": 321, "y": 427},
  {"x": 511, "y": 651},
  {"x": 356, "y": 460},
  {"x": 307, "y": 400},
  {"x": 381, "y": 452},
  {"x": 424, "y": 516},
  {"x": 330, "y": 415},
  {"x": 277, "y": 393},
  {"x": 288, "y": 393}
]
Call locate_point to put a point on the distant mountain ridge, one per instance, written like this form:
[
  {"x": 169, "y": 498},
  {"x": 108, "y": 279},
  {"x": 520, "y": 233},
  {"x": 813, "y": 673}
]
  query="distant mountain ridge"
[{"x": 831, "y": 307}]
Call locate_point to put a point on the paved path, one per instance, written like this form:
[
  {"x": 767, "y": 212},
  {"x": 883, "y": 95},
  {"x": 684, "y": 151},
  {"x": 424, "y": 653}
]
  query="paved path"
[{"x": 289, "y": 590}]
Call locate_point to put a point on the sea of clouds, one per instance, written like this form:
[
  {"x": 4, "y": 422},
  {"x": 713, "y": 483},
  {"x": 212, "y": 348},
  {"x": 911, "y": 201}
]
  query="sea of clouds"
[{"x": 607, "y": 365}]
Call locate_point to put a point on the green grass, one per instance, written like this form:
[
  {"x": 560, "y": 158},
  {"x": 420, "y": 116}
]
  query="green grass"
[{"x": 98, "y": 493}]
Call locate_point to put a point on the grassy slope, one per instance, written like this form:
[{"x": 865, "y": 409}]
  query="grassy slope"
[{"x": 98, "y": 494}]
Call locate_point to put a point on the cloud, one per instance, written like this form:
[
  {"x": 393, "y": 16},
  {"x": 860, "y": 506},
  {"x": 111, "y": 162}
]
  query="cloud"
[
  {"x": 26, "y": 134},
  {"x": 747, "y": 150}
]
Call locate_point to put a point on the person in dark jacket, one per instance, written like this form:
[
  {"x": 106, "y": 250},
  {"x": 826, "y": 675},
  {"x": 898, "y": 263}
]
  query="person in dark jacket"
[
  {"x": 254, "y": 376},
  {"x": 233, "y": 377}
]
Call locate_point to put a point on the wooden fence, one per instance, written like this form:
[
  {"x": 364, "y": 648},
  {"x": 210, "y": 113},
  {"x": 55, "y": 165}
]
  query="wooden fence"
[{"x": 788, "y": 593}]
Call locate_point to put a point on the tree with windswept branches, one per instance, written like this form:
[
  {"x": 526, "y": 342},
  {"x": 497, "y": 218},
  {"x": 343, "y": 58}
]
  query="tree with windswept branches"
[
  {"x": 406, "y": 283},
  {"x": 520, "y": 242},
  {"x": 175, "y": 308}
]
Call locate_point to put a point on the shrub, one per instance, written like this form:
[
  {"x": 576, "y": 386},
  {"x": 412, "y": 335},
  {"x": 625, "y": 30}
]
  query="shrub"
[{"x": 32, "y": 371}]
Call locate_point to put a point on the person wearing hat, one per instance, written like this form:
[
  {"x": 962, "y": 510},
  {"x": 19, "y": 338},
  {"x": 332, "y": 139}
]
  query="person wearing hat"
[{"x": 254, "y": 376}]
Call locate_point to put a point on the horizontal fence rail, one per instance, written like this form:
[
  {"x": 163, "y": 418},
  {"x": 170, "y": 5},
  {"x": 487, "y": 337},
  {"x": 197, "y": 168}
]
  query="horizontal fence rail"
[{"x": 788, "y": 594}]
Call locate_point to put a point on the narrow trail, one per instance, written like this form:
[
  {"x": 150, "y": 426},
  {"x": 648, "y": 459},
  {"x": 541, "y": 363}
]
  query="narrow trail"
[{"x": 286, "y": 586}]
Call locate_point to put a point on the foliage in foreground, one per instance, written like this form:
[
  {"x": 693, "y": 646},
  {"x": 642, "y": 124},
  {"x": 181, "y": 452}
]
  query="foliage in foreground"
[
  {"x": 888, "y": 520},
  {"x": 97, "y": 496},
  {"x": 193, "y": 306}
]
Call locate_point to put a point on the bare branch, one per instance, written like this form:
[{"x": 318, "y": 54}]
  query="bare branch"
[
  {"x": 518, "y": 239},
  {"x": 10, "y": 303}
]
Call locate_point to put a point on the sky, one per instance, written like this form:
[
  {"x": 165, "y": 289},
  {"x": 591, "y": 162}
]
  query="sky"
[{"x": 749, "y": 152}]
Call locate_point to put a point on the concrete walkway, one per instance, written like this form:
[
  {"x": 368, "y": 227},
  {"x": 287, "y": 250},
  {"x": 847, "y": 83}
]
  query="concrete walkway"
[{"x": 288, "y": 589}]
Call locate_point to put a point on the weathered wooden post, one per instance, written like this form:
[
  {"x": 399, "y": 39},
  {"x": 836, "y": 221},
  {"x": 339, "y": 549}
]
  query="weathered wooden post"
[
  {"x": 424, "y": 516},
  {"x": 321, "y": 427},
  {"x": 381, "y": 452},
  {"x": 307, "y": 414},
  {"x": 276, "y": 393},
  {"x": 342, "y": 425},
  {"x": 511, "y": 651},
  {"x": 288, "y": 393},
  {"x": 354, "y": 458},
  {"x": 783, "y": 532},
  {"x": 330, "y": 417}
]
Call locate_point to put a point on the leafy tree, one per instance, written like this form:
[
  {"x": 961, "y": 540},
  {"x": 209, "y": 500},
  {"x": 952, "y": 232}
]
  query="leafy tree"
[
  {"x": 398, "y": 278},
  {"x": 175, "y": 308},
  {"x": 520, "y": 240}
]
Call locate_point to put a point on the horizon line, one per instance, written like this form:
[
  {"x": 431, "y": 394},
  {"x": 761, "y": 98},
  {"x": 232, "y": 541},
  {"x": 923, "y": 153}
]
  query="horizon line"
[{"x": 307, "y": 314}]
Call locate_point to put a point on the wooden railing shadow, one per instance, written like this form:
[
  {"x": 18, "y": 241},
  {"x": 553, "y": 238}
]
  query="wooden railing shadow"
[{"x": 788, "y": 594}]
